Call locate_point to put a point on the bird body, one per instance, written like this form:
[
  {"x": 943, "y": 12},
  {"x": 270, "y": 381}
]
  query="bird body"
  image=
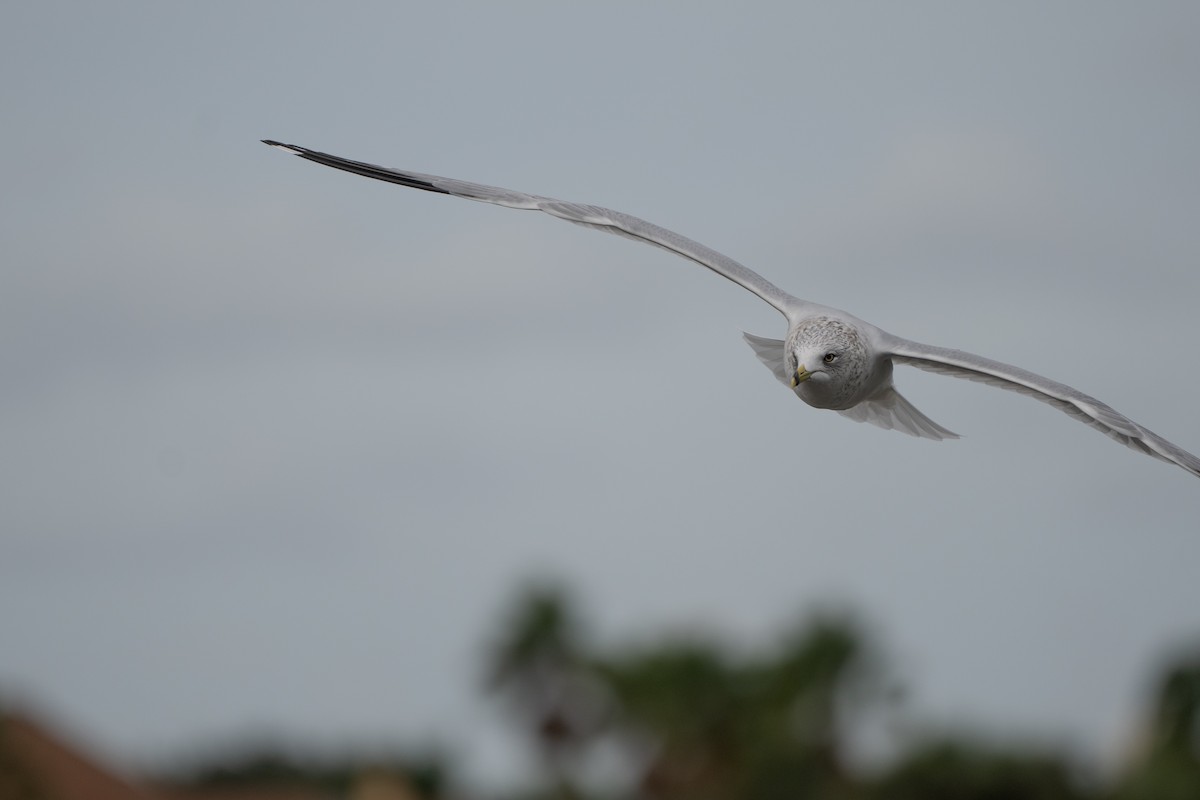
[{"x": 829, "y": 358}]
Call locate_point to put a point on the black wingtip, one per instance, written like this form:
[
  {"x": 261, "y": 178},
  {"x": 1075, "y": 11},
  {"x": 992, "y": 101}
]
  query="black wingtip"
[
  {"x": 358, "y": 167},
  {"x": 287, "y": 148}
]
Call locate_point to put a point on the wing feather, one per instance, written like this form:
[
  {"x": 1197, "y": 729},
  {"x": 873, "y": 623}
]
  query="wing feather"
[
  {"x": 588, "y": 216},
  {"x": 771, "y": 353},
  {"x": 889, "y": 409},
  {"x": 1086, "y": 409}
]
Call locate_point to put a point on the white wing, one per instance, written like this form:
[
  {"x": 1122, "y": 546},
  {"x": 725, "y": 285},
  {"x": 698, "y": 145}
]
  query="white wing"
[
  {"x": 589, "y": 216},
  {"x": 1086, "y": 409},
  {"x": 889, "y": 409},
  {"x": 771, "y": 353}
]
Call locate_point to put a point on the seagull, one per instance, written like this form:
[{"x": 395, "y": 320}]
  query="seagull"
[{"x": 830, "y": 359}]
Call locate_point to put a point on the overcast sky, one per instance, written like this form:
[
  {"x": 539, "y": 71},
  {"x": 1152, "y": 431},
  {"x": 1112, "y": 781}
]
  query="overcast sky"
[{"x": 278, "y": 442}]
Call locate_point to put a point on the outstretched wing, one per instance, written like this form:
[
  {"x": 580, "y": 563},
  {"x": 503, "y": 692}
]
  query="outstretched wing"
[
  {"x": 771, "y": 353},
  {"x": 587, "y": 215},
  {"x": 889, "y": 409},
  {"x": 1086, "y": 409}
]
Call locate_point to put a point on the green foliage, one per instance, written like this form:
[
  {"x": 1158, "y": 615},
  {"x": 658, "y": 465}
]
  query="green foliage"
[
  {"x": 269, "y": 768},
  {"x": 702, "y": 721},
  {"x": 756, "y": 726},
  {"x": 713, "y": 724},
  {"x": 1177, "y": 717},
  {"x": 1170, "y": 769},
  {"x": 543, "y": 632},
  {"x": 963, "y": 770}
]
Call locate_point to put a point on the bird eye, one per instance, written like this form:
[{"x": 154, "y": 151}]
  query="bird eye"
[{"x": 830, "y": 358}]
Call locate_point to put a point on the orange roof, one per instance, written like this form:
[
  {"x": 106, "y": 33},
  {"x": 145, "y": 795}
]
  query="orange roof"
[{"x": 36, "y": 763}]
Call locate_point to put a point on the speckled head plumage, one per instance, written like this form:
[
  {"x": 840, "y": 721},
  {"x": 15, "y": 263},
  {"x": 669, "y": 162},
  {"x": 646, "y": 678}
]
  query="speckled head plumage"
[{"x": 828, "y": 362}]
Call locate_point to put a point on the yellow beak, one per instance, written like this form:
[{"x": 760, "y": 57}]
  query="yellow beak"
[{"x": 801, "y": 376}]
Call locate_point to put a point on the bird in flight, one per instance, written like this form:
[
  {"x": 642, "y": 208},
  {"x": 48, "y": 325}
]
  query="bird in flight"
[{"x": 830, "y": 359}]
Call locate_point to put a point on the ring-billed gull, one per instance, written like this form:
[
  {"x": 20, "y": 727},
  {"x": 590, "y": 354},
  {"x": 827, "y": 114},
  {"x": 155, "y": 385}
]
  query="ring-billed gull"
[{"x": 829, "y": 358}]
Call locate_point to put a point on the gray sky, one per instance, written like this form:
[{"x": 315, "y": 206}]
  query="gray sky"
[{"x": 277, "y": 442}]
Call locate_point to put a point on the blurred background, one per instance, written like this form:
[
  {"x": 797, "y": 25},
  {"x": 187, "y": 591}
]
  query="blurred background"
[{"x": 307, "y": 478}]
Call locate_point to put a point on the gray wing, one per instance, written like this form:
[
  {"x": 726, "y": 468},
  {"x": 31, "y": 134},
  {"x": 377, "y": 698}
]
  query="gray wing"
[
  {"x": 589, "y": 216},
  {"x": 1086, "y": 409}
]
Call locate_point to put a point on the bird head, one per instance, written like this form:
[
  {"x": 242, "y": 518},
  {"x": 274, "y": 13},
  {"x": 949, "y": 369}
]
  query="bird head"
[{"x": 826, "y": 357}]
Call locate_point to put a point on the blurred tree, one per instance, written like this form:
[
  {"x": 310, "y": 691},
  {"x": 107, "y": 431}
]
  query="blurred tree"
[
  {"x": 823, "y": 668},
  {"x": 958, "y": 769},
  {"x": 540, "y": 663},
  {"x": 712, "y": 726},
  {"x": 707, "y": 722},
  {"x": 1169, "y": 769},
  {"x": 678, "y": 706},
  {"x": 269, "y": 769},
  {"x": 1177, "y": 712}
]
